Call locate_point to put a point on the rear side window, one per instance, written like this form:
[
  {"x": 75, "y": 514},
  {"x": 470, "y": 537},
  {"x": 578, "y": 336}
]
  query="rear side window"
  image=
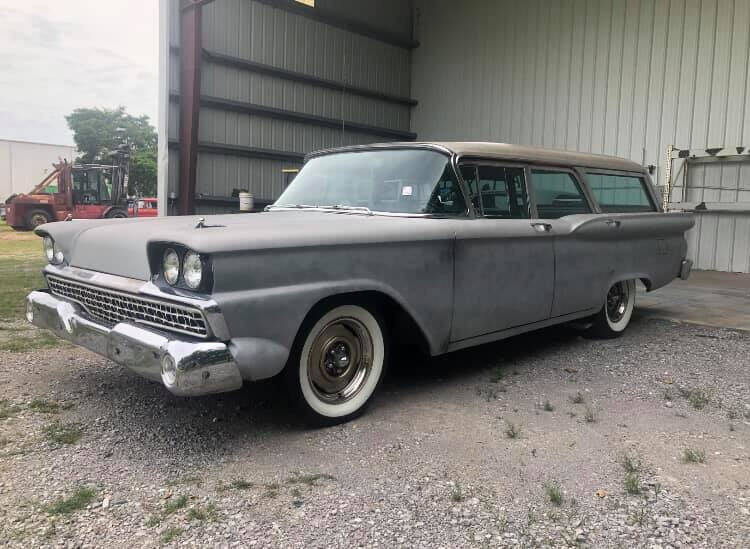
[
  {"x": 557, "y": 194},
  {"x": 620, "y": 193}
]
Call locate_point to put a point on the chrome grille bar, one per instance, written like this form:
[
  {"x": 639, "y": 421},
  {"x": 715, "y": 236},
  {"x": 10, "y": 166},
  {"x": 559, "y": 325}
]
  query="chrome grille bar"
[{"x": 112, "y": 307}]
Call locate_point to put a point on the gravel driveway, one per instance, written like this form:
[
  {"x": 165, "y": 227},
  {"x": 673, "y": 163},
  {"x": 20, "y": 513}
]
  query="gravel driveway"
[{"x": 548, "y": 439}]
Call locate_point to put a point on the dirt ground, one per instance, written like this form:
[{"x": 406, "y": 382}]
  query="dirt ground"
[{"x": 544, "y": 440}]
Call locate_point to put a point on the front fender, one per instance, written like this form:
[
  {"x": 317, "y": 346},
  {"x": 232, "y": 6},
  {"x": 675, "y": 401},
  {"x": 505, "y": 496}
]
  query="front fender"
[{"x": 263, "y": 323}]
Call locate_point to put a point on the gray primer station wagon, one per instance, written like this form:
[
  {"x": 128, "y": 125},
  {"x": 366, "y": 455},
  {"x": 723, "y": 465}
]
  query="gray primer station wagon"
[{"x": 447, "y": 245}]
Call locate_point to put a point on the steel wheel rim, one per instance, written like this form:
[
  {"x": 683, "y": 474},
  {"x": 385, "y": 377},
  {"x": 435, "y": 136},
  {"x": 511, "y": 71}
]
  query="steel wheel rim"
[
  {"x": 340, "y": 360},
  {"x": 38, "y": 219},
  {"x": 617, "y": 301}
]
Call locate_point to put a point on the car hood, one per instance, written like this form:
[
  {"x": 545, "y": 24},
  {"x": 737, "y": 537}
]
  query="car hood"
[{"x": 119, "y": 246}]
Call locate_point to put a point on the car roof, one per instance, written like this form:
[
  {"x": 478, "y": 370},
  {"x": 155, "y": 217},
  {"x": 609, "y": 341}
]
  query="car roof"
[{"x": 506, "y": 151}]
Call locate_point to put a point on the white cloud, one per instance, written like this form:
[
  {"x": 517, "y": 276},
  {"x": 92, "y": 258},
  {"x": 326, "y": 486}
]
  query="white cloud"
[{"x": 58, "y": 56}]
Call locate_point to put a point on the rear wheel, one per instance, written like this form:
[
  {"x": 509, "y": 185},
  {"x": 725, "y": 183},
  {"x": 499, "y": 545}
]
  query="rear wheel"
[
  {"x": 37, "y": 218},
  {"x": 614, "y": 316},
  {"x": 337, "y": 364},
  {"x": 116, "y": 213}
]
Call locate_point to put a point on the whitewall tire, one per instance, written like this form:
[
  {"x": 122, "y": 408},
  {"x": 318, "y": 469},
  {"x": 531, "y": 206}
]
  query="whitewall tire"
[
  {"x": 338, "y": 363},
  {"x": 614, "y": 316}
]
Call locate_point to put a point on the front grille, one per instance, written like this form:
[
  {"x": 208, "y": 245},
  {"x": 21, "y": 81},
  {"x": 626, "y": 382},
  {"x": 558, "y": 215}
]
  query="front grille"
[{"x": 112, "y": 307}]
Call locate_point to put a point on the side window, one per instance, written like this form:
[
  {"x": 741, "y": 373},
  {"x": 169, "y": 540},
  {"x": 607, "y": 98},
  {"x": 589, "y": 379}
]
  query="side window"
[
  {"x": 620, "y": 193},
  {"x": 446, "y": 197},
  {"x": 503, "y": 192},
  {"x": 557, "y": 194}
]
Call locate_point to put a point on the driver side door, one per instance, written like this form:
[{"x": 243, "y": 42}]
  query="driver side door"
[{"x": 86, "y": 202}]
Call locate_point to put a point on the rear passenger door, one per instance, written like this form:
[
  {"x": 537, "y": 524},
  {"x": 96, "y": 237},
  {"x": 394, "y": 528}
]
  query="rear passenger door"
[
  {"x": 585, "y": 243},
  {"x": 504, "y": 266}
]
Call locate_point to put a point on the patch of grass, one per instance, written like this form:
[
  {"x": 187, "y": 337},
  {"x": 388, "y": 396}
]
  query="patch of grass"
[
  {"x": 171, "y": 534},
  {"x": 698, "y": 398},
  {"x": 21, "y": 272},
  {"x": 631, "y": 463},
  {"x": 153, "y": 520},
  {"x": 174, "y": 505},
  {"x": 82, "y": 497},
  {"x": 8, "y": 409},
  {"x": 457, "y": 494},
  {"x": 512, "y": 430},
  {"x": 62, "y": 433},
  {"x": 547, "y": 406},
  {"x": 310, "y": 480},
  {"x": 208, "y": 512},
  {"x": 41, "y": 339},
  {"x": 496, "y": 374},
  {"x": 577, "y": 398},
  {"x": 553, "y": 492},
  {"x": 693, "y": 455},
  {"x": 633, "y": 483},
  {"x": 239, "y": 484},
  {"x": 44, "y": 406},
  {"x": 589, "y": 415}
]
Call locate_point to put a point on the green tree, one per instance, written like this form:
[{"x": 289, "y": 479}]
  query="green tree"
[{"x": 97, "y": 132}]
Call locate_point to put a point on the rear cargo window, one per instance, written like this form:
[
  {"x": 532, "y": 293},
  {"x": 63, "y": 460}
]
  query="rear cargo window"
[
  {"x": 557, "y": 194},
  {"x": 620, "y": 193}
]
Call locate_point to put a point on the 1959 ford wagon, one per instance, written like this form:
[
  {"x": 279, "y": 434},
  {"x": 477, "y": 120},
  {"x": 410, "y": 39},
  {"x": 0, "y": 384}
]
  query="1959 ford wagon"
[{"x": 446, "y": 245}]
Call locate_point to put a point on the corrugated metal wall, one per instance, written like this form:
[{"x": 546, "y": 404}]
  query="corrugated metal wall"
[
  {"x": 621, "y": 77},
  {"x": 262, "y": 33}
]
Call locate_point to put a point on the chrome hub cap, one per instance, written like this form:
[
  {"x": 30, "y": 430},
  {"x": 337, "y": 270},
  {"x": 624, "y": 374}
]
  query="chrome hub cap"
[
  {"x": 340, "y": 360},
  {"x": 617, "y": 301}
]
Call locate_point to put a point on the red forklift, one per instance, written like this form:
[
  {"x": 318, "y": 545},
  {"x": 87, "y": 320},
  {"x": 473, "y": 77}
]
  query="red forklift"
[{"x": 76, "y": 191}]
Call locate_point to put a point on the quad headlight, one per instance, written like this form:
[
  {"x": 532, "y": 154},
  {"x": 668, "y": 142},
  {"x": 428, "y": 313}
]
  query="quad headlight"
[
  {"x": 171, "y": 266},
  {"x": 52, "y": 251},
  {"x": 192, "y": 270}
]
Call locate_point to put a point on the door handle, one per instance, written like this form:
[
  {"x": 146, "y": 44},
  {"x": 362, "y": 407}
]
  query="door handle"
[
  {"x": 614, "y": 223},
  {"x": 542, "y": 227}
]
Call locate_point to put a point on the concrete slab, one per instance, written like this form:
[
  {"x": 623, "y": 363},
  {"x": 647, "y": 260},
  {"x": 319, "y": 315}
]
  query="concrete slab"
[{"x": 708, "y": 297}]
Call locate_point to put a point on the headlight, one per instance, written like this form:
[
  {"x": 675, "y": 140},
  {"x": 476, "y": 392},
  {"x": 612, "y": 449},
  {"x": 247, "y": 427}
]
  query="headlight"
[
  {"x": 49, "y": 248},
  {"x": 171, "y": 267},
  {"x": 52, "y": 251},
  {"x": 192, "y": 270}
]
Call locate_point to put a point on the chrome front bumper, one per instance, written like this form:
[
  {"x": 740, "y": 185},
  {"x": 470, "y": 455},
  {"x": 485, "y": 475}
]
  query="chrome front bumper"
[{"x": 185, "y": 366}]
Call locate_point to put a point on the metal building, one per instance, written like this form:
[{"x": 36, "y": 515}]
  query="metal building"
[
  {"x": 249, "y": 86},
  {"x": 23, "y": 164}
]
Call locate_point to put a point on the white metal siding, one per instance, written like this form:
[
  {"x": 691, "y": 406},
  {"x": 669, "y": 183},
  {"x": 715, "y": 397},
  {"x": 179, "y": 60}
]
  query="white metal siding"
[
  {"x": 24, "y": 164},
  {"x": 620, "y": 77}
]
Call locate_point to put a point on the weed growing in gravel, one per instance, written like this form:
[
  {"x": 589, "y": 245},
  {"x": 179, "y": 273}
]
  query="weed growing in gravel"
[
  {"x": 7, "y": 409},
  {"x": 44, "y": 406},
  {"x": 638, "y": 516},
  {"x": 61, "y": 433},
  {"x": 631, "y": 463},
  {"x": 239, "y": 484},
  {"x": 698, "y": 398},
  {"x": 208, "y": 512},
  {"x": 82, "y": 497},
  {"x": 547, "y": 406},
  {"x": 186, "y": 480},
  {"x": 489, "y": 394},
  {"x": 296, "y": 493},
  {"x": 310, "y": 480},
  {"x": 589, "y": 415},
  {"x": 512, "y": 430},
  {"x": 577, "y": 398},
  {"x": 693, "y": 455},
  {"x": 171, "y": 534},
  {"x": 554, "y": 492},
  {"x": 457, "y": 494},
  {"x": 272, "y": 490},
  {"x": 496, "y": 374},
  {"x": 732, "y": 414},
  {"x": 668, "y": 395},
  {"x": 174, "y": 505},
  {"x": 153, "y": 520},
  {"x": 633, "y": 483}
]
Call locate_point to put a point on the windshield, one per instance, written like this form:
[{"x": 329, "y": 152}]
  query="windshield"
[{"x": 393, "y": 181}]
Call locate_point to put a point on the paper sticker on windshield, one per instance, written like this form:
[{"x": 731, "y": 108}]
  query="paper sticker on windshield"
[{"x": 406, "y": 190}]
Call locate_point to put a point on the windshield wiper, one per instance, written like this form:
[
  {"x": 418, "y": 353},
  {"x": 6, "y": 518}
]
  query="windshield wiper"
[
  {"x": 344, "y": 207},
  {"x": 292, "y": 206}
]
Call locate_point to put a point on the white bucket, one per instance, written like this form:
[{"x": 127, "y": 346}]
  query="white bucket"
[{"x": 246, "y": 202}]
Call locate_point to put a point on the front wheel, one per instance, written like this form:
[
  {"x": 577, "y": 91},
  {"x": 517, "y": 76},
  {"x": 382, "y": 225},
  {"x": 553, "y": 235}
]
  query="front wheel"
[
  {"x": 117, "y": 213},
  {"x": 615, "y": 314},
  {"x": 337, "y": 364}
]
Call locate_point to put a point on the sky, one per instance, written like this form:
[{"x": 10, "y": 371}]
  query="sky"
[{"x": 57, "y": 56}]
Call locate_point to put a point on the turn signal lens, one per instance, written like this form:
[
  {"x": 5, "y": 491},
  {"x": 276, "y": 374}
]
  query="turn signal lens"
[
  {"x": 171, "y": 267},
  {"x": 49, "y": 248},
  {"x": 192, "y": 270}
]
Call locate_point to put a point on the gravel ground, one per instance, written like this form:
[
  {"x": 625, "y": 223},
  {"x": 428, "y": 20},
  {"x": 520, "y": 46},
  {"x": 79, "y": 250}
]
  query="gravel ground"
[{"x": 486, "y": 447}]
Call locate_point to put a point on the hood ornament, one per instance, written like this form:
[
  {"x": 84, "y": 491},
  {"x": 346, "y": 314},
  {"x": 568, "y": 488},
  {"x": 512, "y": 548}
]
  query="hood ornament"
[
  {"x": 201, "y": 223},
  {"x": 69, "y": 217}
]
